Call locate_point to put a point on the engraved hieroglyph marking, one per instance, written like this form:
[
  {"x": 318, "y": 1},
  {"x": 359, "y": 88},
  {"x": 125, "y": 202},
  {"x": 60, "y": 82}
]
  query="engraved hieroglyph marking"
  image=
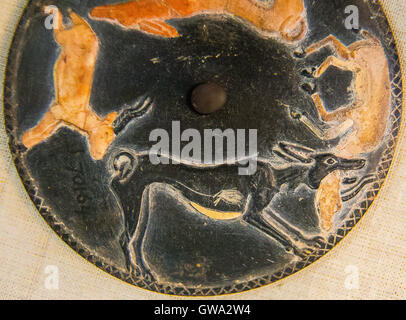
[
  {"x": 73, "y": 78},
  {"x": 286, "y": 18},
  {"x": 362, "y": 124}
]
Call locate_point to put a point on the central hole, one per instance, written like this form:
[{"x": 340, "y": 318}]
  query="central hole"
[{"x": 208, "y": 98}]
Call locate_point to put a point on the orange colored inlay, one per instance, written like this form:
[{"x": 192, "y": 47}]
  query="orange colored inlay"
[
  {"x": 73, "y": 79},
  {"x": 361, "y": 125},
  {"x": 286, "y": 18},
  {"x": 216, "y": 215}
]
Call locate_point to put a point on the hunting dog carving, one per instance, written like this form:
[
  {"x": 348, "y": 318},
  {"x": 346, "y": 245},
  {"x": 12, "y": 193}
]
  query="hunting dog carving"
[{"x": 221, "y": 188}]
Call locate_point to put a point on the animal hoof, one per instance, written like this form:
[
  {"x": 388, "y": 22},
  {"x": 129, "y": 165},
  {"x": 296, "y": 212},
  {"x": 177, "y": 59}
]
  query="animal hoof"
[
  {"x": 318, "y": 242},
  {"x": 302, "y": 253},
  {"x": 309, "y": 73},
  {"x": 134, "y": 271},
  {"x": 309, "y": 88},
  {"x": 300, "y": 54},
  {"x": 148, "y": 276},
  {"x": 315, "y": 242}
]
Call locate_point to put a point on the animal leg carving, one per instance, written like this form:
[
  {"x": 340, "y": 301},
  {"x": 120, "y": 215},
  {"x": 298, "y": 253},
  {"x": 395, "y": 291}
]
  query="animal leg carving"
[
  {"x": 158, "y": 28},
  {"x": 297, "y": 235},
  {"x": 325, "y": 134},
  {"x": 262, "y": 225},
  {"x": 137, "y": 241},
  {"x": 43, "y": 130},
  {"x": 325, "y": 115},
  {"x": 273, "y": 230},
  {"x": 333, "y": 61},
  {"x": 256, "y": 219},
  {"x": 124, "y": 244},
  {"x": 101, "y": 133},
  {"x": 332, "y": 132},
  {"x": 100, "y": 139},
  {"x": 332, "y": 41},
  {"x": 337, "y": 131}
]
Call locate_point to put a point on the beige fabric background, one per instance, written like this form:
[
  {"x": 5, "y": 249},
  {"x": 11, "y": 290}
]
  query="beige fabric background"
[{"x": 377, "y": 245}]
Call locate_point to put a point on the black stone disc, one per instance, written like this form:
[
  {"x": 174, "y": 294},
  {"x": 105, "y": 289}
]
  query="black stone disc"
[{"x": 198, "y": 229}]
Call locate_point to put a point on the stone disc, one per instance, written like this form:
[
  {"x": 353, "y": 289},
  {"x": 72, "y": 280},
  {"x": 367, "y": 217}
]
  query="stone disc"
[{"x": 202, "y": 148}]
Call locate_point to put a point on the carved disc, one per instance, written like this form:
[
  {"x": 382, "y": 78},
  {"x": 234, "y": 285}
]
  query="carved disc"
[{"x": 99, "y": 108}]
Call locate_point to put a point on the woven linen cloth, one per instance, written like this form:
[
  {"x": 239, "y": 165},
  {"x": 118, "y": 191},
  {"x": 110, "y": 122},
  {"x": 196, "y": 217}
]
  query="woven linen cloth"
[{"x": 375, "y": 249}]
